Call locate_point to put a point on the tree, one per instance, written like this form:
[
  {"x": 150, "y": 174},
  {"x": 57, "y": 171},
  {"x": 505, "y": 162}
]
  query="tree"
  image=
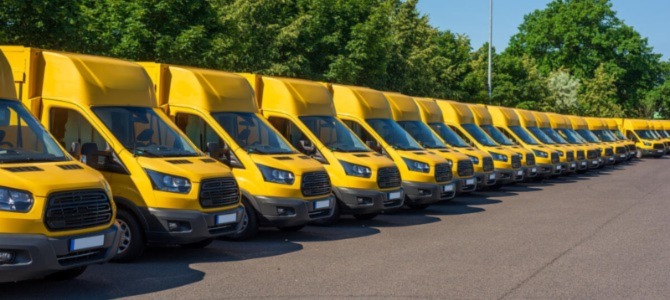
[
  {"x": 563, "y": 92},
  {"x": 599, "y": 95}
]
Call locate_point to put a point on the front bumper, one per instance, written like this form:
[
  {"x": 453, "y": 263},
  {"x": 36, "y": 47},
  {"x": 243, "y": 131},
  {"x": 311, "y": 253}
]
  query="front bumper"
[
  {"x": 361, "y": 201},
  {"x": 506, "y": 176},
  {"x": 466, "y": 185},
  {"x": 191, "y": 226},
  {"x": 419, "y": 193},
  {"x": 37, "y": 255},
  {"x": 296, "y": 212},
  {"x": 485, "y": 179}
]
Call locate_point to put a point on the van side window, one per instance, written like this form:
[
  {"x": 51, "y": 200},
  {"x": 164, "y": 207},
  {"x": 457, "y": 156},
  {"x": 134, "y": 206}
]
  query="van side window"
[
  {"x": 83, "y": 141},
  {"x": 461, "y": 134},
  {"x": 198, "y": 131},
  {"x": 293, "y": 134},
  {"x": 364, "y": 135}
]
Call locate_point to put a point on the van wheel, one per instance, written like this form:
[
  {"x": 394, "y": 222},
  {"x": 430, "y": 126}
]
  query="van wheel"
[
  {"x": 198, "y": 245},
  {"x": 291, "y": 228},
  {"x": 332, "y": 220},
  {"x": 249, "y": 226},
  {"x": 365, "y": 216},
  {"x": 68, "y": 274},
  {"x": 131, "y": 245}
]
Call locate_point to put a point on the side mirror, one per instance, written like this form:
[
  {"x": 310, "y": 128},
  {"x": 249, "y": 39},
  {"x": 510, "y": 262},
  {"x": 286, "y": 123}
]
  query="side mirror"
[
  {"x": 75, "y": 150},
  {"x": 307, "y": 146}
]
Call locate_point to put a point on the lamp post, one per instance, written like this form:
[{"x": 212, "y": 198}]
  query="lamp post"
[{"x": 490, "y": 42}]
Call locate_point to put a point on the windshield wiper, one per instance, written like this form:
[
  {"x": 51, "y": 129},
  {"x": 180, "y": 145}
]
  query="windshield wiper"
[
  {"x": 251, "y": 149},
  {"x": 142, "y": 151}
]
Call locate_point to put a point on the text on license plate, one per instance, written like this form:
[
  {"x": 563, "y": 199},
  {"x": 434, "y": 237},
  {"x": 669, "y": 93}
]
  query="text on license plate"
[
  {"x": 225, "y": 219},
  {"x": 469, "y": 181},
  {"x": 394, "y": 195},
  {"x": 492, "y": 176},
  {"x": 321, "y": 204},
  {"x": 448, "y": 188},
  {"x": 87, "y": 242},
  {"x": 519, "y": 173}
]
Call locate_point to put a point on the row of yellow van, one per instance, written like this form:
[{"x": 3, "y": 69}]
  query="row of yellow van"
[{"x": 101, "y": 157}]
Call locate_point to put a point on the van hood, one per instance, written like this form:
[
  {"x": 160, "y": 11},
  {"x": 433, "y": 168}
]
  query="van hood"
[
  {"x": 194, "y": 168},
  {"x": 372, "y": 160},
  {"x": 41, "y": 179},
  {"x": 298, "y": 164}
]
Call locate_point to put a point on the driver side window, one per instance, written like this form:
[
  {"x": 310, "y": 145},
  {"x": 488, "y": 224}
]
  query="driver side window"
[
  {"x": 463, "y": 136},
  {"x": 198, "y": 131},
  {"x": 293, "y": 134},
  {"x": 364, "y": 135}
]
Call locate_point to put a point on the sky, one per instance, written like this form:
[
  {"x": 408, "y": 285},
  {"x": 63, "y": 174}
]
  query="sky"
[{"x": 649, "y": 17}]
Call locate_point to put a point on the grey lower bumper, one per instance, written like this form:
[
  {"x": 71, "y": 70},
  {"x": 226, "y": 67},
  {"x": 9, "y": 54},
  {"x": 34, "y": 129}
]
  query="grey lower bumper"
[
  {"x": 486, "y": 179},
  {"x": 287, "y": 212},
  {"x": 190, "y": 226},
  {"x": 419, "y": 193},
  {"x": 360, "y": 201},
  {"x": 36, "y": 255}
]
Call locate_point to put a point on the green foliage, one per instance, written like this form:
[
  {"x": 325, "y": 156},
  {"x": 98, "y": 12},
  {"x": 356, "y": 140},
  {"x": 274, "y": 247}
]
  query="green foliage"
[
  {"x": 563, "y": 92},
  {"x": 599, "y": 95}
]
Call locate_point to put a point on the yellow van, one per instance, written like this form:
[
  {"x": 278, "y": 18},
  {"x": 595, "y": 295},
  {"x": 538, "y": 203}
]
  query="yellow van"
[
  {"x": 544, "y": 124},
  {"x": 54, "y": 227},
  {"x": 460, "y": 119},
  {"x": 166, "y": 191},
  {"x": 218, "y": 112},
  {"x": 364, "y": 183},
  {"x": 566, "y": 154},
  {"x": 426, "y": 177},
  {"x": 507, "y": 121},
  {"x": 582, "y": 128},
  {"x": 484, "y": 120},
  {"x": 611, "y": 124},
  {"x": 662, "y": 135},
  {"x": 406, "y": 114},
  {"x": 599, "y": 128},
  {"x": 639, "y": 132},
  {"x": 482, "y": 161},
  {"x": 562, "y": 125}
]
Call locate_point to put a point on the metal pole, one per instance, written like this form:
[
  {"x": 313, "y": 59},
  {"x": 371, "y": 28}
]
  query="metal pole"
[{"x": 490, "y": 42}]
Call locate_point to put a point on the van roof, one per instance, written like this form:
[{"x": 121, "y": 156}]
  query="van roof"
[
  {"x": 403, "y": 107},
  {"x": 503, "y": 116},
  {"x": 481, "y": 114},
  {"x": 292, "y": 96},
  {"x": 578, "y": 122},
  {"x": 7, "y": 90},
  {"x": 595, "y": 123},
  {"x": 361, "y": 102},
  {"x": 526, "y": 117},
  {"x": 559, "y": 121},
  {"x": 456, "y": 112},
  {"x": 210, "y": 90},
  {"x": 611, "y": 123},
  {"x": 78, "y": 78},
  {"x": 542, "y": 119},
  {"x": 430, "y": 111}
]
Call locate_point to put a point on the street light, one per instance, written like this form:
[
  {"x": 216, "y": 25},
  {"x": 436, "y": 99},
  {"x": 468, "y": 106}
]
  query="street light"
[{"x": 490, "y": 42}]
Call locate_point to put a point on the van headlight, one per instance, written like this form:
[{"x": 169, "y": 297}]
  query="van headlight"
[
  {"x": 541, "y": 153},
  {"x": 356, "y": 170},
  {"x": 474, "y": 160},
  {"x": 169, "y": 183},
  {"x": 498, "y": 156},
  {"x": 15, "y": 200},
  {"x": 276, "y": 175},
  {"x": 416, "y": 166}
]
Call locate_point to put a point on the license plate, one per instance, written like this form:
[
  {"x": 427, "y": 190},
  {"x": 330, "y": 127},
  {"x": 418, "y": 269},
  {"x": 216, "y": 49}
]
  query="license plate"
[
  {"x": 659, "y": 151},
  {"x": 448, "y": 188},
  {"x": 492, "y": 176},
  {"x": 594, "y": 162},
  {"x": 533, "y": 170},
  {"x": 583, "y": 164},
  {"x": 469, "y": 181},
  {"x": 622, "y": 155},
  {"x": 87, "y": 242},
  {"x": 394, "y": 195},
  {"x": 558, "y": 167},
  {"x": 611, "y": 158},
  {"x": 321, "y": 204},
  {"x": 573, "y": 165},
  {"x": 519, "y": 173},
  {"x": 225, "y": 219}
]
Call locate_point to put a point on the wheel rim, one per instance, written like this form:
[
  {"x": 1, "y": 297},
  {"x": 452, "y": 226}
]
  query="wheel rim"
[
  {"x": 126, "y": 236},
  {"x": 245, "y": 221}
]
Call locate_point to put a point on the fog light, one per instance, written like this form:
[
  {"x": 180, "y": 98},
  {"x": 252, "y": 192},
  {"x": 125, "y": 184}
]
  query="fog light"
[
  {"x": 178, "y": 226},
  {"x": 364, "y": 200},
  {"x": 285, "y": 211},
  {"x": 423, "y": 192},
  {"x": 6, "y": 257}
]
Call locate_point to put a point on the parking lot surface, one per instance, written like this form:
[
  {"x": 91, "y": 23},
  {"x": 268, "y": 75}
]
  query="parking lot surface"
[{"x": 603, "y": 235}]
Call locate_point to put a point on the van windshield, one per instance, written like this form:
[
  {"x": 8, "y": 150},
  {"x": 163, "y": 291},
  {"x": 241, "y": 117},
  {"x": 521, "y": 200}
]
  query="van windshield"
[
  {"x": 422, "y": 134},
  {"x": 603, "y": 136},
  {"x": 645, "y": 134},
  {"x": 663, "y": 133},
  {"x": 554, "y": 135},
  {"x": 572, "y": 136},
  {"x": 251, "y": 133},
  {"x": 449, "y": 135},
  {"x": 334, "y": 134},
  {"x": 142, "y": 131},
  {"x": 540, "y": 135},
  {"x": 498, "y": 136},
  {"x": 524, "y": 135},
  {"x": 618, "y": 134},
  {"x": 22, "y": 138},
  {"x": 588, "y": 135},
  {"x": 479, "y": 135},
  {"x": 393, "y": 134}
]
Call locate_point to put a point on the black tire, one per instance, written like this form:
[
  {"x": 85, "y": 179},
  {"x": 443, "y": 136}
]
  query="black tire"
[
  {"x": 68, "y": 274},
  {"x": 291, "y": 228},
  {"x": 132, "y": 242},
  {"x": 365, "y": 217},
  {"x": 249, "y": 226},
  {"x": 332, "y": 220},
  {"x": 198, "y": 245},
  {"x": 418, "y": 206}
]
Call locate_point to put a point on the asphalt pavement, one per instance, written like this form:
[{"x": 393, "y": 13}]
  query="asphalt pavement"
[{"x": 602, "y": 235}]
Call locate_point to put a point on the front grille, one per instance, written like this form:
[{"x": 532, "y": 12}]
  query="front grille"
[
  {"x": 580, "y": 155},
  {"x": 570, "y": 156},
  {"x": 530, "y": 159},
  {"x": 554, "y": 158},
  {"x": 621, "y": 150},
  {"x": 442, "y": 173},
  {"x": 219, "y": 192},
  {"x": 609, "y": 152},
  {"x": 315, "y": 184},
  {"x": 465, "y": 168},
  {"x": 388, "y": 178},
  {"x": 77, "y": 209},
  {"x": 487, "y": 164},
  {"x": 591, "y": 154},
  {"x": 659, "y": 146},
  {"x": 516, "y": 161}
]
